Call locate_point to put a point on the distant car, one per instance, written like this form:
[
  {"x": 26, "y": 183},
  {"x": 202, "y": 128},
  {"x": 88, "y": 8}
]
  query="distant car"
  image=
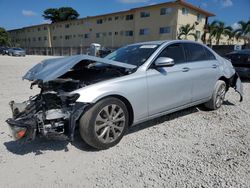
[
  {"x": 104, "y": 52},
  {"x": 105, "y": 96},
  {"x": 16, "y": 52},
  {"x": 241, "y": 61},
  {"x": 3, "y": 50}
]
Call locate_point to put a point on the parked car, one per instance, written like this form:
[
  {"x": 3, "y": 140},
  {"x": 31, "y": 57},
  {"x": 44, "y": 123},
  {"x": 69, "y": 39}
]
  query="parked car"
[
  {"x": 4, "y": 50},
  {"x": 16, "y": 52},
  {"x": 104, "y": 52},
  {"x": 241, "y": 61},
  {"x": 105, "y": 96}
]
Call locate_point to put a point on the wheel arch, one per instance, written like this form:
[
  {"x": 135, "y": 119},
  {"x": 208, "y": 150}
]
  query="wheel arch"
[
  {"x": 127, "y": 104},
  {"x": 226, "y": 80}
]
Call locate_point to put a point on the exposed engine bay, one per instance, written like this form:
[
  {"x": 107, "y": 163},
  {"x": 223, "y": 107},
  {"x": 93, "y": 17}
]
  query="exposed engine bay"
[{"x": 54, "y": 112}]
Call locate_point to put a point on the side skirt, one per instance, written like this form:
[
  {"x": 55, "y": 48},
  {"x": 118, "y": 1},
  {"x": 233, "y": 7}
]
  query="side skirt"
[{"x": 171, "y": 111}]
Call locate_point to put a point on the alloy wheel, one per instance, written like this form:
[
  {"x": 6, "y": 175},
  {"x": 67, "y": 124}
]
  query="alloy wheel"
[
  {"x": 109, "y": 123},
  {"x": 220, "y": 95}
]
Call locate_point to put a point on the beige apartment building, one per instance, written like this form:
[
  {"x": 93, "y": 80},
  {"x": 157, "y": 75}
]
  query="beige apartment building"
[{"x": 148, "y": 23}]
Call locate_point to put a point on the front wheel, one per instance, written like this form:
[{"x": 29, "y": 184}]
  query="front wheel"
[
  {"x": 104, "y": 124},
  {"x": 218, "y": 96}
]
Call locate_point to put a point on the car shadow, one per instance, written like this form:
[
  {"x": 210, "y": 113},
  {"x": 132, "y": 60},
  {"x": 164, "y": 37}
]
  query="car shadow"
[
  {"x": 37, "y": 146},
  {"x": 228, "y": 103},
  {"x": 41, "y": 145},
  {"x": 163, "y": 119}
]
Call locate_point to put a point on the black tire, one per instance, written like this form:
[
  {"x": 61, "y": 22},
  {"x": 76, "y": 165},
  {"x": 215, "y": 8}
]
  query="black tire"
[
  {"x": 218, "y": 96},
  {"x": 91, "y": 130}
]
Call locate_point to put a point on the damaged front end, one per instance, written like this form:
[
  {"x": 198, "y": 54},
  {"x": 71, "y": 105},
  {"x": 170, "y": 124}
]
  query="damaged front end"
[
  {"x": 55, "y": 111},
  {"x": 51, "y": 113}
]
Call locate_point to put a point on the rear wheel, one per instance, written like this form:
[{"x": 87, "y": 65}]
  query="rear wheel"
[
  {"x": 218, "y": 96},
  {"x": 104, "y": 124}
]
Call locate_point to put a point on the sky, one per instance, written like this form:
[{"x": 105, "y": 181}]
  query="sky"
[{"x": 20, "y": 13}]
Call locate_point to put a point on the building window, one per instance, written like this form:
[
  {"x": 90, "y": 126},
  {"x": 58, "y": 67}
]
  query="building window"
[
  {"x": 145, "y": 14},
  {"x": 104, "y": 34},
  {"x": 116, "y": 33},
  {"x": 165, "y": 11},
  {"x": 99, "y": 21},
  {"x": 129, "y": 33},
  {"x": 185, "y": 11},
  {"x": 144, "y": 31},
  {"x": 110, "y": 33},
  {"x": 54, "y": 37},
  {"x": 117, "y": 17},
  {"x": 86, "y": 36},
  {"x": 164, "y": 30},
  {"x": 39, "y": 38},
  {"x": 98, "y": 35},
  {"x": 110, "y": 19},
  {"x": 45, "y": 28},
  {"x": 199, "y": 17},
  {"x": 66, "y": 25},
  {"x": 130, "y": 17},
  {"x": 67, "y": 37},
  {"x": 38, "y": 29},
  {"x": 45, "y": 38}
]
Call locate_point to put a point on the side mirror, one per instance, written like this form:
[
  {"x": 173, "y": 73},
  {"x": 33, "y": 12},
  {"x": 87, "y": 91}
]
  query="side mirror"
[{"x": 164, "y": 62}]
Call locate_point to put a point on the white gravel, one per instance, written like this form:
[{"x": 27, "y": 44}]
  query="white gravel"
[{"x": 190, "y": 148}]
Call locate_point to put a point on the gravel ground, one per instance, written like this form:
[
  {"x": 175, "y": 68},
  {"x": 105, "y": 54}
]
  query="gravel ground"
[{"x": 190, "y": 148}]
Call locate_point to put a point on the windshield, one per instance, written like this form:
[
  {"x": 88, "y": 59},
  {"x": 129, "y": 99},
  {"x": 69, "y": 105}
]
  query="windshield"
[{"x": 133, "y": 54}]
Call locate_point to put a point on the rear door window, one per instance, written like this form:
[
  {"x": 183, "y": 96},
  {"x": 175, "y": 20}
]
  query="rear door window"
[
  {"x": 195, "y": 52},
  {"x": 175, "y": 52},
  {"x": 210, "y": 55}
]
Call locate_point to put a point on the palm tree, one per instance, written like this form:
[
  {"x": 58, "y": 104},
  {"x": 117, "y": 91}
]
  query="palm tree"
[
  {"x": 231, "y": 35},
  {"x": 211, "y": 29},
  {"x": 244, "y": 30},
  {"x": 220, "y": 29},
  {"x": 186, "y": 30}
]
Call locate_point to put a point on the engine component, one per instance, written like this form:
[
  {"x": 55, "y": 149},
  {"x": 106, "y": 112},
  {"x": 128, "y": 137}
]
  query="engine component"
[{"x": 54, "y": 114}]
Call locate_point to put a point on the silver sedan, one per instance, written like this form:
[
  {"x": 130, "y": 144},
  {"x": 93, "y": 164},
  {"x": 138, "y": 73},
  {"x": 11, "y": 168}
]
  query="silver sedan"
[{"x": 105, "y": 96}]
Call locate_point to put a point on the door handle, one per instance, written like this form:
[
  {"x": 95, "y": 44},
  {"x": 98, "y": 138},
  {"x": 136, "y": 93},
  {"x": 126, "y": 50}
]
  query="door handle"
[
  {"x": 185, "y": 69},
  {"x": 214, "y": 66}
]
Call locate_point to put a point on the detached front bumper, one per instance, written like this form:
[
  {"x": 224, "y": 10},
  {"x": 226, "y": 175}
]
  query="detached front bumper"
[
  {"x": 237, "y": 85},
  {"x": 23, "y": 126}
]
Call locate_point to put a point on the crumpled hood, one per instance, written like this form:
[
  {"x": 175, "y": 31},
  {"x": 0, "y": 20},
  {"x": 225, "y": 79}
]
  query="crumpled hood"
[{"x": 53, "y": 68}]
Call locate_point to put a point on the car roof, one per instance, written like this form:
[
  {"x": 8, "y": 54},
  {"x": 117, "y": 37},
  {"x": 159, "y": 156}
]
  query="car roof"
[
  {"x": 160, "y": 42},
  {"x": 149, "y": 43}
]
